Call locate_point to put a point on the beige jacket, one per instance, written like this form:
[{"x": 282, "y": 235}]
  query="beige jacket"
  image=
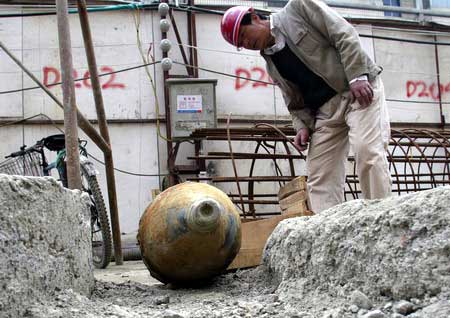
[{"x": 327, "y": 44}]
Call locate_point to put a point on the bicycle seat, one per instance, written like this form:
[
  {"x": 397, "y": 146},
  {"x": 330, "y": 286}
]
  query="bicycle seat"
[{"x": 55, "y": 142}]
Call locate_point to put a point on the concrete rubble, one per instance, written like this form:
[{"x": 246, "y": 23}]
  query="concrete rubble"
[
  {"x": 45, "y": 242},
  {"x": 363, "y": 259}
]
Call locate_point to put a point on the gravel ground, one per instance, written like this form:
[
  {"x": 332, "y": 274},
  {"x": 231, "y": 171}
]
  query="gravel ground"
[
  {"x": 362, "y": 259},
  {"x": 240, "y": 294}
]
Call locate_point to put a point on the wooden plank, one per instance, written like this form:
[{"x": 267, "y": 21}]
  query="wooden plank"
[
  {"x": 292, "y": 199},
  {"x": 155, "y": 193},
  {"x": 299, "y": 206},
  {"x": 254, "y": 237},
  {"x": 296, "y": 185},
  {"x": 247, "y": 257},
  {"x": 298, "y": 211}
]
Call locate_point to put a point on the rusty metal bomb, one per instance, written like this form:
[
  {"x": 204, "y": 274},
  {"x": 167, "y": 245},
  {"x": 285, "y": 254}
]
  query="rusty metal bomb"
[{"x": 189, "y": 234}]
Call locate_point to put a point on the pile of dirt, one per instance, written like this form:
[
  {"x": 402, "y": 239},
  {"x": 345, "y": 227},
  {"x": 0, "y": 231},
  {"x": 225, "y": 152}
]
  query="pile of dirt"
[
  {"x": 363, "y": 259},
  {"x": 367, "y": 258},
  {"x": 45, "y": 242}
]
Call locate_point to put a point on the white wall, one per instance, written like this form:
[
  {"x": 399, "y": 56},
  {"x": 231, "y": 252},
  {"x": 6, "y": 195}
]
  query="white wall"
[{"x": 129, "y": 96}]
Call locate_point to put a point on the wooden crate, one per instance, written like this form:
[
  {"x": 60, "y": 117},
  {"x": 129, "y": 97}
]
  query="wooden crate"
[
  {"x": 295, "y": 185},
  {"x": 294, "y": 198},
  {"x": 254, "y": 238},
  {"x": 293, "y": 202}
]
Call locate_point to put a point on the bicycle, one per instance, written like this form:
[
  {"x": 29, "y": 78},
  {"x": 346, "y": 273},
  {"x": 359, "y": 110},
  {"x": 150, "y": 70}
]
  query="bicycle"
[{"x": 32, "y": 161}]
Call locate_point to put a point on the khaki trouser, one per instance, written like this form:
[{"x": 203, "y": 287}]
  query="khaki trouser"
[{"x": 340, "y": 124}]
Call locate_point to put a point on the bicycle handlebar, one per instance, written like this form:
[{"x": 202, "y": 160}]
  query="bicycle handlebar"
[
  {"x": 24, "y": 150},
  {"x": 38, "y": 147}
]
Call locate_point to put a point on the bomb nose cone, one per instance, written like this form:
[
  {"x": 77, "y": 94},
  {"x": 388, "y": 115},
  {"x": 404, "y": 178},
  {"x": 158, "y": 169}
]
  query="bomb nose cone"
[{"x": 204, "y": 215}]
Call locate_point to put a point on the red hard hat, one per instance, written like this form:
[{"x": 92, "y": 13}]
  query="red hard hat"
[{"x": 231, "y": 22}]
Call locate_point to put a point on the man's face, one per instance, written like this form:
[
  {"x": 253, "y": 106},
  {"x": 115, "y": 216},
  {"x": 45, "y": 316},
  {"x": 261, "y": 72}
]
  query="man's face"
[{"x": 255, "y": 36}]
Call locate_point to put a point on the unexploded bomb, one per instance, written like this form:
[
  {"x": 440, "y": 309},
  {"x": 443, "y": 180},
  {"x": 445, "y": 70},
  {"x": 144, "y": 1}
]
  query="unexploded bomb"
[{"x": 189, "y": 234}]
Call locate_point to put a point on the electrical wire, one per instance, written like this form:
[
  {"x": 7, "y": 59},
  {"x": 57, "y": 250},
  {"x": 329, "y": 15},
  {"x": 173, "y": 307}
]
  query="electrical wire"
[
  {"x": 415, "y": 101},
  {"x": 253, "y": 55},
  {"x": 145, "y": 59},
  {"x": 214, "y": 72},
  {"x": 410, "y": 31},
  {"x": 388, "y": 38},
  {"x": 135, "y": 6},
  {"x": 269, "y": 83},
  {"x": 197, "y": 9},
  {"x": 129, "y": 172},
  {"x": 224, "y": 74},
  {"x": 99, "y": 161},
  {"x": 219, "y": 51},
  {"x": 31, "y": 117},
  {"x": 81, "y": 79}
]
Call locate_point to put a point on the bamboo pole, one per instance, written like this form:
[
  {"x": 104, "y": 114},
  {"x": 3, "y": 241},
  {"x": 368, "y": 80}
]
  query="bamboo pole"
[
  {"x": 68, "y": 89},
  {"x": 103, "y": 125}
]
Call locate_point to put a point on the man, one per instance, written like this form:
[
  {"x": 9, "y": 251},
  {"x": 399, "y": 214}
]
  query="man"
[{"x": 332, "y": 90}]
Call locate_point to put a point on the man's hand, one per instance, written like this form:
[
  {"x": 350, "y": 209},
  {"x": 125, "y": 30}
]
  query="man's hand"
[
  {"x": 361, "y": 91},
  {"x": 301, "y": 139}
]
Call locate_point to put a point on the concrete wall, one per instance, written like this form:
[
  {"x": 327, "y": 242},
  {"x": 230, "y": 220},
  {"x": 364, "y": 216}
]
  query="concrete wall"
[{"x": 409, "y": 76}]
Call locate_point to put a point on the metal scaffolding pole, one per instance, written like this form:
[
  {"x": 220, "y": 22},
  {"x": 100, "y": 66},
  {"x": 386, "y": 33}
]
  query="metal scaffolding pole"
[
  {"x": 170, "y": 160},
  {"x": 68, "y": 89},
  {"x": 103, "y": 125}
]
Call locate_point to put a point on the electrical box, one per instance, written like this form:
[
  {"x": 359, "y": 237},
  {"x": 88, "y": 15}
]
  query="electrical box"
[{"x": 192, "y": 105}]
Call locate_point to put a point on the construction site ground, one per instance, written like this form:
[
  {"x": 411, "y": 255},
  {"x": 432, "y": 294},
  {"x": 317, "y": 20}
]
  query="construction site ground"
[
  {"x": 385, "y": 258},
  {"x": 130, "y": 271}
]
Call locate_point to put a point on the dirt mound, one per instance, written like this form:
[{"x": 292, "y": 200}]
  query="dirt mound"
[
  {"x": 45, "y": 242},
  {"x": 397, "y": 248},
  {"x": 363, "y": 259}
]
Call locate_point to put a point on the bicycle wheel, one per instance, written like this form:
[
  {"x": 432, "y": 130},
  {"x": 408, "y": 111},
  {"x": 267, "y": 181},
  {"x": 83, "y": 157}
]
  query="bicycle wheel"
[{"x": 100, "y": 230}]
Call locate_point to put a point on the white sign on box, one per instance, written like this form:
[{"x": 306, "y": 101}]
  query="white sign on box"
[{"x": 189, "y": 103}]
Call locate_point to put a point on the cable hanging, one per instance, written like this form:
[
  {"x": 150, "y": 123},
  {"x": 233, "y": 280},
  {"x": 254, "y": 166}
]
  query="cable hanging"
[
  {"x": 81, "y": 78},
  {"x": 145, "y": 59},
  {"x": 224, "y": 74},
  {"x": 31, "y": 117},
  {"x": 270, "y": 83},
  {"x": 15, "y": 122},
  {"x": 130, "y": 173}
]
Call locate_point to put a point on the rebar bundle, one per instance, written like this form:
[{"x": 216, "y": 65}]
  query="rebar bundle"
[{"x": 418, "y": 159}]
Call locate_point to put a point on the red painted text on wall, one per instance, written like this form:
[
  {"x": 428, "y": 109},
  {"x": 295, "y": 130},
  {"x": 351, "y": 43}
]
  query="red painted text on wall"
[
  {"x": 424, "y": 90},
  {"x": 244, "y": 76},
  {"x": 53, "y": 76}
]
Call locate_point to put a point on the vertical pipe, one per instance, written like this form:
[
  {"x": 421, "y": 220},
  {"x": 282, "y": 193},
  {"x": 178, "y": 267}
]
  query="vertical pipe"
[
  {"x": 180, "y": 44},
  {"x": 189, "y": 33},
  {"x": 194, "y": 43},
  {"x": 192, "y": 40},
  {"x": 68, "y": 89},
  {"x": 100, "y": 108},
  {"x": 436, "y": 54},
  {"x": 170, "y": 158}
]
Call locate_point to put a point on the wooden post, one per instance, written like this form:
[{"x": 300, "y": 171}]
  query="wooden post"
[
  {"x": 68, "y": 89},
  {"x": 103, "y": 125}
]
